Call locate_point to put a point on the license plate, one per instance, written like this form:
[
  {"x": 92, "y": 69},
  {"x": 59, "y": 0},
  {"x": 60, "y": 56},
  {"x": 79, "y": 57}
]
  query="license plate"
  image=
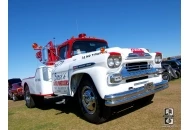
[{"x": 149, "y": 86}]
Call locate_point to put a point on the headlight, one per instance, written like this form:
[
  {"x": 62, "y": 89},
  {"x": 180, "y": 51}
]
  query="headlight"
[
  {"x": 110, "y": 62},
  {"x": 117, "y": 62},
  {"x": 114, "y": 60},
  {"x": 158, "y": 58}
]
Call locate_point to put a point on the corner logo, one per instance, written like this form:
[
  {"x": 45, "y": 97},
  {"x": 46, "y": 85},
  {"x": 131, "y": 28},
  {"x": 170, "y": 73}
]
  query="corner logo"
[{"x": 168, "y": 116}]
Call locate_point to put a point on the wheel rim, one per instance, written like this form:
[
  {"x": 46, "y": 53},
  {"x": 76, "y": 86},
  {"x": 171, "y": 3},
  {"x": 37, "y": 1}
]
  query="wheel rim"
[
  {"x": 88, "y": 100},
  {"x": 27, "y": 97},
  {"x": 165, "y": 77}
]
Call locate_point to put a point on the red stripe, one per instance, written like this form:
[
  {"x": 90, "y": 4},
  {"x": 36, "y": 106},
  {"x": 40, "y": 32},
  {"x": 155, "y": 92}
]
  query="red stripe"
[
  {"x": 60, "y": 83},
  {"x": 114, "y": 53}
]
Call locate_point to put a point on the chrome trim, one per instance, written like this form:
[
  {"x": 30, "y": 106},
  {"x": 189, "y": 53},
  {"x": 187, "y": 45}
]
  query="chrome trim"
[
  {"x": 134, "y": 94},
  {"x": 160, "y": 70},
  {"x": 138, "y": 56},
  {"x": 137, "y": 66},
  {"x": 132, "y": 74},
  {"x": 115, "y": 78},
  {"x": 137, "y": 74}
]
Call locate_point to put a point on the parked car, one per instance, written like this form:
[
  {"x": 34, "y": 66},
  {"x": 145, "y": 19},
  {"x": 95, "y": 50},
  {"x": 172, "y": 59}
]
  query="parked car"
[
  {"x": 179, "y": 59},
  {"x": 175, "y": 64},
  {"x": 15, "y": 89},
  {"x": 168, "y": 72}
]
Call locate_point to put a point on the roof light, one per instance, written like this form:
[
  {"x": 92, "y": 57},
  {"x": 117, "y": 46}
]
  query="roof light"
[
  {"x": 82, "y": 35},
  {"x": 115, "y": 54},
  {"x": 36, "y": 47}
]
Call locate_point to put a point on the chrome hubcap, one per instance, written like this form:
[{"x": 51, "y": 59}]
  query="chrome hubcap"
[{"x": 88, "y": 100}]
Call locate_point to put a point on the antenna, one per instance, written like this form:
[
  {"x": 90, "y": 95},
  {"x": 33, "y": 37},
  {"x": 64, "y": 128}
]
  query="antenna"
[
  {"x": 54, "y": 40},
  {"x": 77, "y": 26},
  {"x": 55, "y": 46}
]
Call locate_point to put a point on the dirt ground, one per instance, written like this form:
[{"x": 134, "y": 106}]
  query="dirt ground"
[{"x": 68, "y": 117}]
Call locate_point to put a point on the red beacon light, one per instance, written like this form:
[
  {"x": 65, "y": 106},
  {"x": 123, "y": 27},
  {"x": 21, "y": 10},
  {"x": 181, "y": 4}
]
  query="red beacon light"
[
  {"x": 82, "y": 35},
  {"x": 36, "y": 47}
]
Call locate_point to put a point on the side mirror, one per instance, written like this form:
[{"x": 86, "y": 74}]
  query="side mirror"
[{"x": 44, "y": 52}]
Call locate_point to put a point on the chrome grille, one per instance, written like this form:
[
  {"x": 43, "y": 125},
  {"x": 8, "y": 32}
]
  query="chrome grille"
[{"x": 137, "y": 66}]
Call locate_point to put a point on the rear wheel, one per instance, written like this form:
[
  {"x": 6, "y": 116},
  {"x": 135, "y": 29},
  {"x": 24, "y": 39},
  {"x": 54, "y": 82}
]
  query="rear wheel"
[
  {"x": 91, "y": 104},
  {"x": 32, "y": 100},
  {"x": 28, "y": 98}
]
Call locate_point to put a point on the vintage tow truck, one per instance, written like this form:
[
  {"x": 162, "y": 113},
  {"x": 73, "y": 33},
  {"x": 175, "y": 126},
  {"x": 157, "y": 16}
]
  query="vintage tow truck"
[{"x": 98, "y": 76}]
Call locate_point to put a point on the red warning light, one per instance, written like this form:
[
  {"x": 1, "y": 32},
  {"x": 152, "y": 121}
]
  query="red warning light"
[
  {"x": 35, "y": 45},
  {"x": 82, "y": 35}
]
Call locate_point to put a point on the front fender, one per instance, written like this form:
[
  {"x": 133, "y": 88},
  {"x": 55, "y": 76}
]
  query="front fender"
[{"x": 98, "y": 75}]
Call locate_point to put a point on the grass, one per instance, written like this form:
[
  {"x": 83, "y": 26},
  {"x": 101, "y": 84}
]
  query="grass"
[{"x": 68, "y": 117}]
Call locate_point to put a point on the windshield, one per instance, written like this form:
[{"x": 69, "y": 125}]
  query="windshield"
[
  {"x": 19, "y": 84},
  {"x": 15, "y": 80},
  {"x": 80, "y": 47}
]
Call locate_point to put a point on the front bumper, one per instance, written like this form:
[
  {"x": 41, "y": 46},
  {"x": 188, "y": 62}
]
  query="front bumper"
[{"x": 134, "y": 94}]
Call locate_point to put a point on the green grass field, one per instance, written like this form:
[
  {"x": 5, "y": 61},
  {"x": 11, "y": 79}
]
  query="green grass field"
[{"x": 68, "y": 117}]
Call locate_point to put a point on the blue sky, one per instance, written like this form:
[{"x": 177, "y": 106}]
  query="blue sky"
[{"x": 153, "y": 24}]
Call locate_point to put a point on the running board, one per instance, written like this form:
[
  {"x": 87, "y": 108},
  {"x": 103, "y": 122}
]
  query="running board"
[
  {"x": 61, "y": 102},
  {"x": 53, "y": 96}
]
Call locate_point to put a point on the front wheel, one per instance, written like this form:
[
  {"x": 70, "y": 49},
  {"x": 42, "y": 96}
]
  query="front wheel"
[{"x": 91, "y": 104}]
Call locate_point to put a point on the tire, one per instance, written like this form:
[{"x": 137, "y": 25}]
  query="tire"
[
  {"x": 96, "y": 112},
  {"x": 15, "y": 98},
  {"x": 28, "y": 98},
  {"x": 166, "y": 76}
]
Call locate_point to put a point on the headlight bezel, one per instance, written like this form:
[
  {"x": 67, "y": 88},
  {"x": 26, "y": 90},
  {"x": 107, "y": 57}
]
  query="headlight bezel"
[
  {"x": 115, "y": 58},
  {"x": 158, "y": 58}
]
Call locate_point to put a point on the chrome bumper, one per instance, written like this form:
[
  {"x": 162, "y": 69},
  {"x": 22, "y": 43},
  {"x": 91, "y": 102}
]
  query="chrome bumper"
[{"x": 134, "y": 94}]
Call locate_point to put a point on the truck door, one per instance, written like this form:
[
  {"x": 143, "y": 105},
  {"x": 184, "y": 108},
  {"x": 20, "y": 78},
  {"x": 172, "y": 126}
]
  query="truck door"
[{"x": 60, "y": 75}]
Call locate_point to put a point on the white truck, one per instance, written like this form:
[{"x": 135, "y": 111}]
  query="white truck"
[{"x": 98, "y": 76}]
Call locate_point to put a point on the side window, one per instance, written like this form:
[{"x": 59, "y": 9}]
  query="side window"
[
  {"x": 46, "y": 74},
  {"x": 63, "y": 52}
]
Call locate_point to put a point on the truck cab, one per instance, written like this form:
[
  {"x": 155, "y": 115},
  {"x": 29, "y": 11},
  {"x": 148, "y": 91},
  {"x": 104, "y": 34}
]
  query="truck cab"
[{"x": 100, "y": 77}]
